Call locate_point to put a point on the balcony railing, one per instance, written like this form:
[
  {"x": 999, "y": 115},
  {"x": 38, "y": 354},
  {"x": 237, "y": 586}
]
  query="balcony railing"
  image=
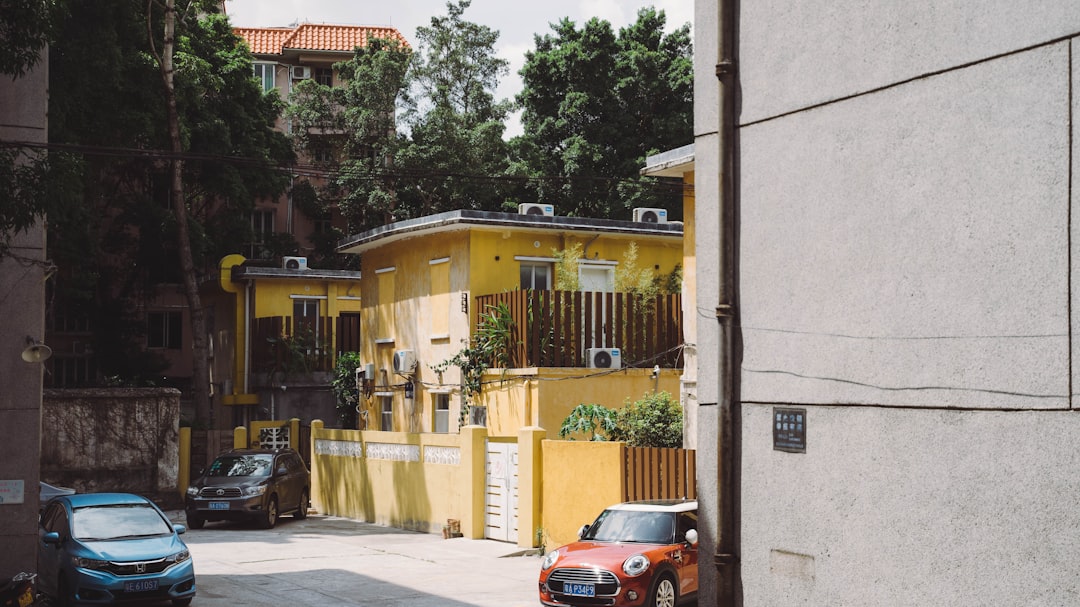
[
  {"x": 279, "y": 344},
  {"x": 556, "y": 328}
]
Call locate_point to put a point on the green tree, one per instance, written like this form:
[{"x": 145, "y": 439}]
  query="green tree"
[
  {"x": 118, "y": 239},
  {"x": 343, "y": 385},
  {"x": 455, "y": 123},
  {"x": 595, "y": 421},
  {"x": 656, "y": 420},
  {"x": 595, "y": 104}
]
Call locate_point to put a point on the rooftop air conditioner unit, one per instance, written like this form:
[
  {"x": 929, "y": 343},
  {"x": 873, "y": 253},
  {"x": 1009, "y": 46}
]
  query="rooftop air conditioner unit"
[
  {"x": 647, "y": 215},
  {"x": 532, "y": 208},
  {"x": 301, "y": 72},
  {"x": 404, "y": 362},
  {"x": 294, "y": 263},
  {"x": 603, "y": 358}
]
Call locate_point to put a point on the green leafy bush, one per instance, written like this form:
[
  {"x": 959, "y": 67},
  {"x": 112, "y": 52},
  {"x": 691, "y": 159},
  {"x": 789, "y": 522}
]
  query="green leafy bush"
[
  {"x": 654, "y": 421},
  {"x": 343, "y": 385}
]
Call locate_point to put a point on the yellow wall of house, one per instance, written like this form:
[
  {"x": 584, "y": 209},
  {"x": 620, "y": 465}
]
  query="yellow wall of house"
[
  {"x": 573, "y": 497},
  {"x": 544, "y": 397}
]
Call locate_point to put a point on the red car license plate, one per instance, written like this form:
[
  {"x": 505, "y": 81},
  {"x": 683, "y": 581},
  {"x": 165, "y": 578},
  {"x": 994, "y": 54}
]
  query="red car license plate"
[
  {"x": 140, "y": 586},
  {"x": 579, "y": 589},
  {"x": 219, "y": 505}
]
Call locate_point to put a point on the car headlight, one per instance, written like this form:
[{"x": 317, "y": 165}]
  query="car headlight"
[
  {"x": 549, "y": 559},
  {"x": 636, "y": 565},
  {"x": 85, "y": 563},
  {"x": 193, "y": 491},
  {"x": 255, "y": 490},
  {"x": 179, "y": 557}
]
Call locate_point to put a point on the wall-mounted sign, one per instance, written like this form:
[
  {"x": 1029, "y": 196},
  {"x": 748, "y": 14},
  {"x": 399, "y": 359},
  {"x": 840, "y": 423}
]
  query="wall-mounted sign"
[
  {"x": 11, "y": 492},
  {"x": 789, "y": 430}
]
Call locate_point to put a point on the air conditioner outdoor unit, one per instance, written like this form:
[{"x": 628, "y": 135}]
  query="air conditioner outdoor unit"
[
  {"x": 404, "y": 362},
  {"x": 532, "y": 208},
  {"x": 603, "y": 358},
  {"x": 301, "y": 72},
  {"x": 294, "y": 263},
  {"x": 647, "y": 215}
]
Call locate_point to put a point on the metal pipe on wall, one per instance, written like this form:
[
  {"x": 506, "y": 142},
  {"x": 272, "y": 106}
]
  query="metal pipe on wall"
[{"x": 727, "y": 549}]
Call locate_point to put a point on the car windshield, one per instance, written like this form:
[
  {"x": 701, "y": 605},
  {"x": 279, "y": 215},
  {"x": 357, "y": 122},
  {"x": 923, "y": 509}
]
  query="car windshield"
[
  {"x": 633, "y": 526},
  {"x": 118, "y": 521},
  {"x": 241, "y": 465}
]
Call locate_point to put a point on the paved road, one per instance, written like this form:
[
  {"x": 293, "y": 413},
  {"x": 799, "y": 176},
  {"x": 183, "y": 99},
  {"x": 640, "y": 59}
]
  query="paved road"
[{"x": 329, "y": 562}]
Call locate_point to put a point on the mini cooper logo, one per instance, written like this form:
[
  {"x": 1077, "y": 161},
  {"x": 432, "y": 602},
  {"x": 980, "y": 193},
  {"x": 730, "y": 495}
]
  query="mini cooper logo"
[
  {"x": 221, "y": 492},
  {"x": 140, "y": 567}
]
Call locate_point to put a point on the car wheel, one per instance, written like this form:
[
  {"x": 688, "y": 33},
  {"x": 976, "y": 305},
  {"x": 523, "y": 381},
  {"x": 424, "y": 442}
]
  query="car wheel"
[
  {"x": 181, "y": 602},
  {"x": 269, "y": 516},
  {"x": 301, "y": 510},
  {"x": 663, "y": 593},
  {"x": 194, "y": 521}
]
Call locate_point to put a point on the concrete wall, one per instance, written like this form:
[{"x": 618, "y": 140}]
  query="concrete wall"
[
  {"x": 905, "y": 192},
  {"x": 112, "y": 440},
  {"x": 23, "y": 104}
]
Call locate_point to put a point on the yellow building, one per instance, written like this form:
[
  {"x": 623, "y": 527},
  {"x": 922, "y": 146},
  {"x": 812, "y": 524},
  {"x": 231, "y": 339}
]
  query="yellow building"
[
  {"x": 277, "y": 333},
  {"x": 427, "y": 282}
]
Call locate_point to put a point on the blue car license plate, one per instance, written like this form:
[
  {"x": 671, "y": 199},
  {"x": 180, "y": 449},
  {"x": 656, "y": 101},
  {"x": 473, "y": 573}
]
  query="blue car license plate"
[
  {"x": 219, "y": 505},
  {"x": 579, "y": 589},
  {"x": 141, "y": 586}
]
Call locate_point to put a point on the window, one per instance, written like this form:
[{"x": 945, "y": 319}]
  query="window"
[
  {"x": 262, "y": 227},
  {"x": 536, "y": 276},
  {"x": 163, "y": 330},
  {"x": 70, "y": 372},
  {"x": 441, "y": 418},
  {"x": 324, "y": 76},
  {"x": 386, "y": 413},
  {"x": 321, "y": 153},
  {"x": 306, "y": 322},
  {"x": 264, "y": 73}
]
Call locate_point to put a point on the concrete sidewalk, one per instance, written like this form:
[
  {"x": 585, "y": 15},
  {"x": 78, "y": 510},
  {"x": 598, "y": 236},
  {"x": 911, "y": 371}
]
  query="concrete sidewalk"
[{"x": 330, "y": 561}]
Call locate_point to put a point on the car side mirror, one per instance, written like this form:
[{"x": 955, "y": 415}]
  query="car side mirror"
[
  {"x": 179, "y": 529},
  {"x": 51, "y": 537},
  {"x": 691, "y": 538},
  {"x": 581, "y": 532}
]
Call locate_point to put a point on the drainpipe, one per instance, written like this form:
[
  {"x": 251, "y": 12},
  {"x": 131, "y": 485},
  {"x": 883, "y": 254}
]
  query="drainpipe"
[
  {"x": 727, "y": 452},
  {"x": 247, "y": 336}
]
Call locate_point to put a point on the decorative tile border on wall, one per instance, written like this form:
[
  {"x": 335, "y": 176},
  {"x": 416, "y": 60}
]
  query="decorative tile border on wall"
[
  {"x": 324, "y": 446},
  {"x": 393, "y": 452},
  {"x": 442, "y": 455}
]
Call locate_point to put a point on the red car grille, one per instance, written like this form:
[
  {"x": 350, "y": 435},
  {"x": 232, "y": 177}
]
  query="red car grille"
[{"x": 606, "y": 582}]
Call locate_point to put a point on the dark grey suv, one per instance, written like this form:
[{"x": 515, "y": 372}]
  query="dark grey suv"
[{"x": 250, "y": 484}]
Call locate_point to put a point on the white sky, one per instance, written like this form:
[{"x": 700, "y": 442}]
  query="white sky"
[{"x": 516, "y": 21}]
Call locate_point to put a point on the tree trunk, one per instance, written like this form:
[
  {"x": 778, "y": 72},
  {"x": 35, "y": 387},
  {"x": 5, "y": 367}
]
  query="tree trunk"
[{"x": 200, "y": 380}]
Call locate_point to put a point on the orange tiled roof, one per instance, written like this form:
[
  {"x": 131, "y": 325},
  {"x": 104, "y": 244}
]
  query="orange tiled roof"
[{"x": 313, "y": 37}]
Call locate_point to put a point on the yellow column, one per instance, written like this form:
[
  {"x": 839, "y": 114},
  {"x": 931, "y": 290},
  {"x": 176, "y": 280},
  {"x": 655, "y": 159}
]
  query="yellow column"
[
  {"x": 183, "y": 477},
  {"x": 240, "y": 438},
  {"x": 530, "y": 476},
  {"x": 294, "y": 433},
  {"x": 316, "y": 486},
  {"x": 474, "y": 458}
]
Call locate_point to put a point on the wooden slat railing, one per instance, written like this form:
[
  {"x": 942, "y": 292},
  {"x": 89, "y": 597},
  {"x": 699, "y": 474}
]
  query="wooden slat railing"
[
  {"x": 555, "y": 328},
  {"x": 659, "y": 473}
]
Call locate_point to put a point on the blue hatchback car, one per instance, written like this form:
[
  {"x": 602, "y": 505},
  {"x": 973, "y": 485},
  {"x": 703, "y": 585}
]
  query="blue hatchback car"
[{"x": 107, "y": 548}]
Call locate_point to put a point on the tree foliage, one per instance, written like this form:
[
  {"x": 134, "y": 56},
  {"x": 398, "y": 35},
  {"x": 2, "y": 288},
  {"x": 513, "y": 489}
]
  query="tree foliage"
[
  {"x": 343, "y": 385},
  {"x": 595, "y": 104}
]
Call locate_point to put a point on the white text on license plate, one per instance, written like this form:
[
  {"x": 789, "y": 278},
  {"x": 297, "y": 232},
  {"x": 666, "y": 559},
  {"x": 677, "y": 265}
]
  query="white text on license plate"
[
  {"x": 219, "y": 505},
  {"x": 579, "y": 589},
  {"x": 140, "y": 586}
]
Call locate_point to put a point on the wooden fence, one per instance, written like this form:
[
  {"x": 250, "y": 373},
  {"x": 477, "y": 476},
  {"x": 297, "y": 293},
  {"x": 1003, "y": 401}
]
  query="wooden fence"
[
  {"x": 280, "y": 344},
  {"x": 657, "y": 473},
  {"x": 555, "y": 328}
]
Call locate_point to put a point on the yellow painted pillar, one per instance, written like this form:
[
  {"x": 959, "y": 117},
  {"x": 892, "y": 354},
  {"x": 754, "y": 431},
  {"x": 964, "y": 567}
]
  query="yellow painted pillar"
[
  {"x": 294, "y": 433},
  {"x": 474, "y": 459},
  {"x": 316, "y": 486},
  {"x": 530, "y": 477},
  {"x": 240, "y": 437},
  {"x": 183, "y": 477}
]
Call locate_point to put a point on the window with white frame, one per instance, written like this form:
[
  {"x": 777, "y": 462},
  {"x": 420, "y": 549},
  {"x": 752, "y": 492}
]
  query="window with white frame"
[
  {"x": 324, "y": 76},
  {"x": 264, "y": 73},
  {"x": 536, "y": 275},
  {"x": 441, "y": 416},
  {"x": 386, "y": 413},
  {"x": 262, "y": 228},
  {"x": 164, "y": 330}
]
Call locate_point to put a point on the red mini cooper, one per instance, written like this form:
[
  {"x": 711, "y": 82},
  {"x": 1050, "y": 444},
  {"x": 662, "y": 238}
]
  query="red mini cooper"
[{"x": 634, "y": 554}]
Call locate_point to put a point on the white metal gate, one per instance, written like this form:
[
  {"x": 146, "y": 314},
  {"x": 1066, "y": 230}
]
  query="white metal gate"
[{"x": 501, "y": 495}]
